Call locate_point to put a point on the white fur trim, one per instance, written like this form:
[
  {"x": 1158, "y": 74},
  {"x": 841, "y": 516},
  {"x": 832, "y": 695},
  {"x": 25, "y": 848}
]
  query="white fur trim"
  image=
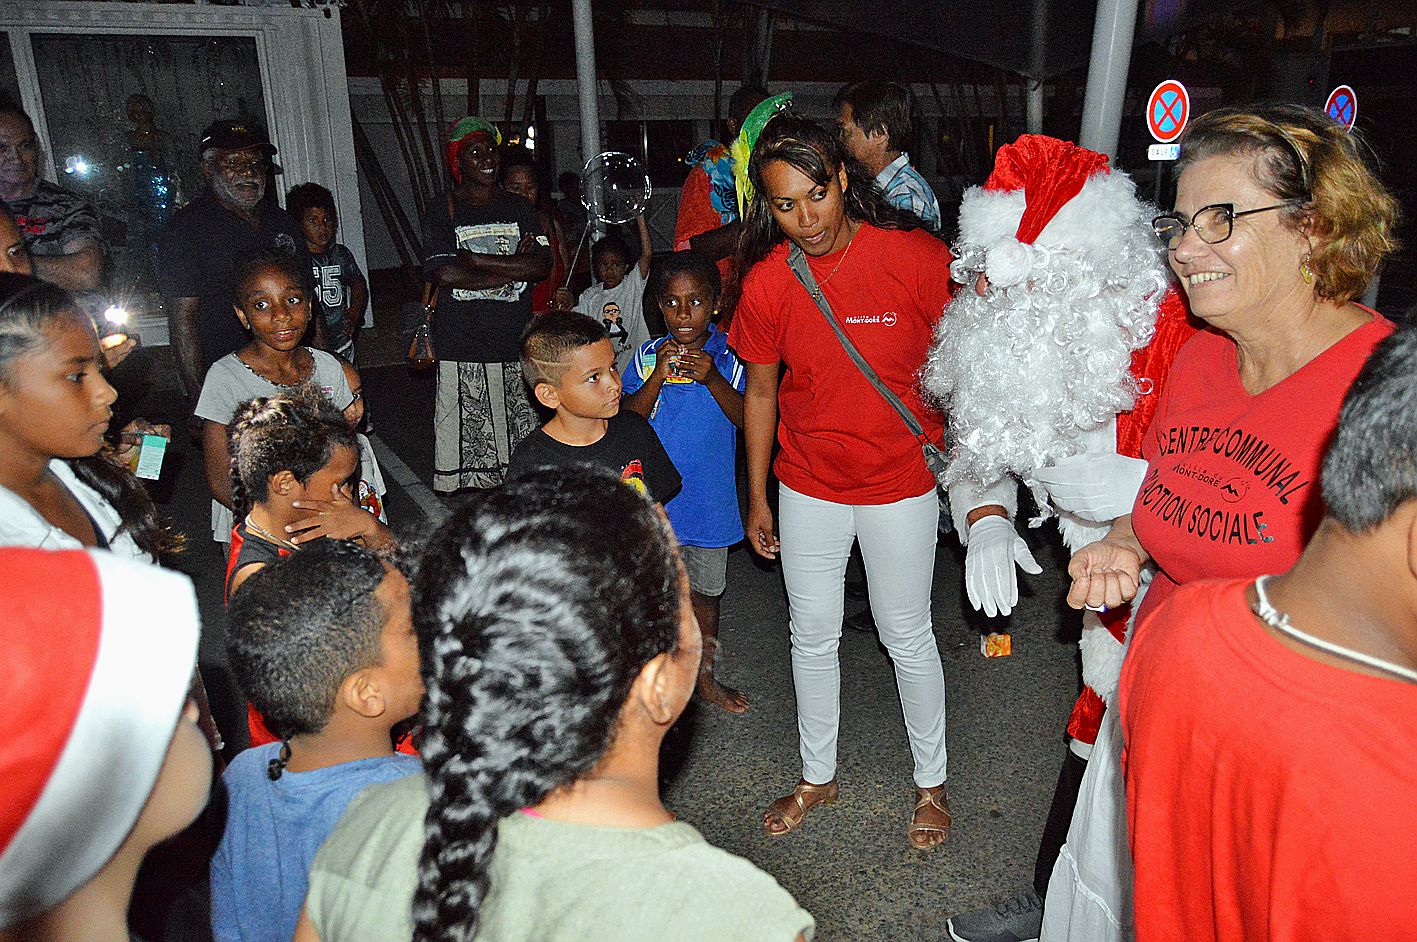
[
  {"x": 965, "y": 498},
  {"x": 1106, "y": 204},
  {"x": 1102, "y": 654},
  {"x": 1077, "y": 533},
  {"x": 1091, "y": 220},
  {"x": 1101, "y": 657},
  {"x": 108, "y": 766},
  {"x": 1008, "y": 262},
  {"x": 986, "y": 216}
]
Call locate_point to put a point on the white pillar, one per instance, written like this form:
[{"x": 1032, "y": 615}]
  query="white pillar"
[
  {"x": 1038, "y": 56},
  {"x": 1035, "y": 106},
  {"x": 589, "y": 95},
  {"x": 585, "y": 79},
  {"x": 1112, "y": 35}
]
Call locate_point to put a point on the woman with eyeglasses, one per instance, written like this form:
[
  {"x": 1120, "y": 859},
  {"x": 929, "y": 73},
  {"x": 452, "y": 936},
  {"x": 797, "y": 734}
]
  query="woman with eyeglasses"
[{"x": 1279, "y": 225}]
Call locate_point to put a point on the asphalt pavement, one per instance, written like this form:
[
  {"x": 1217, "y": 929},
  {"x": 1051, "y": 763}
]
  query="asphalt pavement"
[{"x": 850, "y": 864}]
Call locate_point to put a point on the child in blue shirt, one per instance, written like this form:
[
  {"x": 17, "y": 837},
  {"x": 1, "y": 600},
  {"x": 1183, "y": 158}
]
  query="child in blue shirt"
[
  {"x": 322, "y": 642},
  {"x": 690, "y": 387}
]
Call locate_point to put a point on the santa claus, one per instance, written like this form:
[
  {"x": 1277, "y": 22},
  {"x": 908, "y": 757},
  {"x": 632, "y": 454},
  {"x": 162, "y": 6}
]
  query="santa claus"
[{"x": 1049, "y": 371}]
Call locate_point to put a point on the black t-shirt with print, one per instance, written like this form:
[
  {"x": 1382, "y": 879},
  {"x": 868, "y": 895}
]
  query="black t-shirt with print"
[
  {"x": 629, "y": 447},
  {"x": 479, "y": 325},
  {"x": 336, "y": 273}
]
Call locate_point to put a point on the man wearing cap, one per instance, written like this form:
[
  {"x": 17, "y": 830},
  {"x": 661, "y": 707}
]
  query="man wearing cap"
[
  {"x": 59, "y": 228},
  {"x": 197, "y": 250}
]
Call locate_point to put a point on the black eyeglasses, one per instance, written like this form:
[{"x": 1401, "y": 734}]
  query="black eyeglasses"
[{"x": 1214, "y": 224}]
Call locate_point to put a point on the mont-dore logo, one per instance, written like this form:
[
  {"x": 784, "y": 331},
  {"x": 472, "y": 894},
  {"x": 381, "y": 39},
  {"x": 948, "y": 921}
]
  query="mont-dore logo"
[
  {"x": 1234, "y": 490},
  {"x": 888, "y": 319}
]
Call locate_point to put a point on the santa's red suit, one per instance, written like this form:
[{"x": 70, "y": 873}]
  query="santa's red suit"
[{"x": 1103, "y": 644}]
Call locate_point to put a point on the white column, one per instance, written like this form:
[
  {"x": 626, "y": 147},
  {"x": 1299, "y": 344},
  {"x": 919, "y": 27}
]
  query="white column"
[
  {"x": 1107, "y": 75},
  {"x": 585, "y": 79},
  {"x": 1038, "y": 55}
]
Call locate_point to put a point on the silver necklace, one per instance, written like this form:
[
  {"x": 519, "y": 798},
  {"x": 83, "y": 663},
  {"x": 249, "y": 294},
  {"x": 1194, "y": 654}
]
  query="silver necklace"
[
  {"x": 267, "y": 535},
  {"x": 1279, "y": 621}
]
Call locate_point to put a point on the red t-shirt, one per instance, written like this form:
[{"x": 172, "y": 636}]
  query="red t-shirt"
[
  {"x": 1269, "y": 796},
  {"x": 840, "y": 440},
  {"x": 1232, "y": 488}
]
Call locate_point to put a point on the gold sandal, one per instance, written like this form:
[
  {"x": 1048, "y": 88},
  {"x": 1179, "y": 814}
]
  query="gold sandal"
[
  {"x": 804, "y": 797},
  {"x": 940, "y": 801}
]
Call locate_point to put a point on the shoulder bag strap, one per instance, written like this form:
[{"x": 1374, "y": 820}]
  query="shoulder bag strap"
[
  {"x": 797, "y": 261},
  {"x": 934, "y": 458}
]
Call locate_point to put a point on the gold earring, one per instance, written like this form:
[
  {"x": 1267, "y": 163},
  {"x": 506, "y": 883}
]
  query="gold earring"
[{"x": 1305, "y": 271}]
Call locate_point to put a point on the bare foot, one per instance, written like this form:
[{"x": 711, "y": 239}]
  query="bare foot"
[
  {"x": 787, "y": 812},
  {"x": 711, "y": 691},
  {"x": 930, "y": 824}
]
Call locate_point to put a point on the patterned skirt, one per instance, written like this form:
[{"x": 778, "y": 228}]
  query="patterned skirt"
[{"x": 480, "y": 413}]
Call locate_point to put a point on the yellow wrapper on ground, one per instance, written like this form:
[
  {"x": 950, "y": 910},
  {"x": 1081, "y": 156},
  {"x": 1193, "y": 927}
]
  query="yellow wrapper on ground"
[{"x": 996, "y": 644}]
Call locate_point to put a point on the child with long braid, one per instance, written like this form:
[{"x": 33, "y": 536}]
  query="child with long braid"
[{"x": 555, "y": 661}]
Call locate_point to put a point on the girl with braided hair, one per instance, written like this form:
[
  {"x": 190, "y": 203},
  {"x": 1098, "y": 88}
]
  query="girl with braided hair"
[
  {"x": 555, "y": 661},
  {"x": 292, "y": 459}
]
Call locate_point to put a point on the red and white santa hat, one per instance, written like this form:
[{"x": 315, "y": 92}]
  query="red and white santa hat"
[
  {"x": 96, "y": 657},
  {"x": 1048, "y": 193}
]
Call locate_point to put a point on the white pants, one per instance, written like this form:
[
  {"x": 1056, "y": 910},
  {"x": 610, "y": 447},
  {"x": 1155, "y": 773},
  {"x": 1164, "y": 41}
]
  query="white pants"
[{"x": 898, "y": 548}]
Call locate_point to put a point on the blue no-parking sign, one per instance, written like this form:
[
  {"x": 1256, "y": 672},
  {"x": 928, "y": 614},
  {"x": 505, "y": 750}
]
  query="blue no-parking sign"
[
  {"x": 1167, "y": 111},
  {"x": 1342, "y": 106}
]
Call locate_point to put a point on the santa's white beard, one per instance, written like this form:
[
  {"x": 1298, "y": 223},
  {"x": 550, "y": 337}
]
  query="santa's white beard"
[{"x": 1025, "y": 372}]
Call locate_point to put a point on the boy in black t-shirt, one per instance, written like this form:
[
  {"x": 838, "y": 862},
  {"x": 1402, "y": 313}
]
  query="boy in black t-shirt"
[{"x": 569, "y": 363}]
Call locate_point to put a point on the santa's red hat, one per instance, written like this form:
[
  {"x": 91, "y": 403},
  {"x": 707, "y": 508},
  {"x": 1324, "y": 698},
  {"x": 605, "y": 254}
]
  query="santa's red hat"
[
  {"x": 97, "y": 662},
  {"x": 1047, "y": 193}
]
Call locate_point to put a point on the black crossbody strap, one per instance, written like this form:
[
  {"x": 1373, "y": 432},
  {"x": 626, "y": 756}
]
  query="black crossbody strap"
[{"x": 934, "y": 458}]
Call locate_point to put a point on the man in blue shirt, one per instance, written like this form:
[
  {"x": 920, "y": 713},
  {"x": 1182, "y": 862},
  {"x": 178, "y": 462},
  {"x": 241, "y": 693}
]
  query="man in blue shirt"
[{"x": 874, "y": 120}]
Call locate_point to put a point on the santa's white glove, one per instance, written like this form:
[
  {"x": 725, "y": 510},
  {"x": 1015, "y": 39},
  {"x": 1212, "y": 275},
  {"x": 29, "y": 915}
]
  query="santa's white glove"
[
  {"x": 1098, "y": 487},
  {"x": 989, "y": 577}
]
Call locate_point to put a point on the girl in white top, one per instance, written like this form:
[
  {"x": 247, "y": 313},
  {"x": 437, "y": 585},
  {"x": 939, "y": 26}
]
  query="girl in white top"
[
  {"x": 273, "y": 302},
  {"x": 57, "y": 490}
]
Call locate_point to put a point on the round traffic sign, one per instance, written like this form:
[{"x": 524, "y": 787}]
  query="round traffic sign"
[
  {"x": 1342, "y": 106},
  {"x": 1167, "y": 111}
]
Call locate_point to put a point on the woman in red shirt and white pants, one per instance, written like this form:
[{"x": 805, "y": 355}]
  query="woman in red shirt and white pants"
[{"x": 849, "y": 469}]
